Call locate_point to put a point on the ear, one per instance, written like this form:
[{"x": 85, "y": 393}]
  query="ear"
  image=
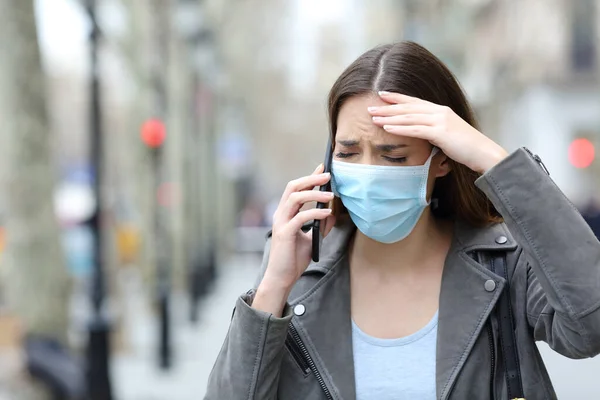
[{"x": 442, "y": 165}]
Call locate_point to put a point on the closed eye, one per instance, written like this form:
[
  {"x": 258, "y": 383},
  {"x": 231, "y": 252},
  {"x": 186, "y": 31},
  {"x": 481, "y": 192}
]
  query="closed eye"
[
  {"x": 345, "y": 155},
  {"x": 395, "y": 159}
]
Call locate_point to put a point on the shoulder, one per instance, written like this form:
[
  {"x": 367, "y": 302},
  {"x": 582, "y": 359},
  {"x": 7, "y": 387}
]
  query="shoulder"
[
  {"x": 493, "y": 237},
  {"x": 481, "y": 243}
]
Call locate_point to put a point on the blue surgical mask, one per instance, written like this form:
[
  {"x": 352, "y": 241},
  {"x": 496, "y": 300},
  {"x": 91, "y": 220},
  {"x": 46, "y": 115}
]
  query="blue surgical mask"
[{"x": 384, "y": 202}]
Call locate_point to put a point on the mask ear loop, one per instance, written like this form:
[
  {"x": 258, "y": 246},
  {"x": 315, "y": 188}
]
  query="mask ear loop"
[
  {"x": 432, "y": 202},
  {"x": 435, "y": 202},
  {"x": 434, "y": 151}
]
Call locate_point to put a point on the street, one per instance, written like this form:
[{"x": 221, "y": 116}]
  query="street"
[{"x": 135, "y": 372}]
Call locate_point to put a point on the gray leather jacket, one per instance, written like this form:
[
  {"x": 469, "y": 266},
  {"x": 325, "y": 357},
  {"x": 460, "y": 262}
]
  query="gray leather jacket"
[{"x": 554, "y": 261}]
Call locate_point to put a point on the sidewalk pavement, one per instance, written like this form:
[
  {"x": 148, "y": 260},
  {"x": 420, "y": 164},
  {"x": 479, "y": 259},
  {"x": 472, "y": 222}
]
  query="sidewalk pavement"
[{"x": 135, "y": 373}]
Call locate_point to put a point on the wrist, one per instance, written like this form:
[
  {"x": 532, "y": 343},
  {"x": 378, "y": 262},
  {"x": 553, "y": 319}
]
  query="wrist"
[
  {"x": 273, "y": 281},
  {"x": 492, "y": 157},
  {"x": 271, "y": 296},
  {"x": 274, "y": 287}
]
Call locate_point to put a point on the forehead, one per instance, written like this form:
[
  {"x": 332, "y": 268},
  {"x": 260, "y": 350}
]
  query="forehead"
[{"x": 355, "y": 123}]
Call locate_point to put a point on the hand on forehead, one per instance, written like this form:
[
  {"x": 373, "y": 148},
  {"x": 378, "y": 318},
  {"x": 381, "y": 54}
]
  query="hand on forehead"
[{"x": 355, "y": 124}]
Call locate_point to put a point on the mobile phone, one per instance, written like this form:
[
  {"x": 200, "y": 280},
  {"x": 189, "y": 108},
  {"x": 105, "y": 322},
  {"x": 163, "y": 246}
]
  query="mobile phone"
[{"x": 317, "y": 234}]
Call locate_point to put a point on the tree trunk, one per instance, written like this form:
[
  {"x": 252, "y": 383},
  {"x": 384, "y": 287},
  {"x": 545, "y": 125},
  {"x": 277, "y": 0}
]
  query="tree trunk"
[{"x": 37, "y": 282}]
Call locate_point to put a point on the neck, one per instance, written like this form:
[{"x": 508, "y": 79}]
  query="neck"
[{"x": 427, "y": 244}]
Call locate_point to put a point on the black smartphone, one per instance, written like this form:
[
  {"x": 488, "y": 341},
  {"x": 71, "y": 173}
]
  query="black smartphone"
[{"x": 317, "y": 234}]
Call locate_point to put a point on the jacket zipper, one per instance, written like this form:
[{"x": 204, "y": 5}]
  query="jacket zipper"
[
  {"x": 493, "y": 356},
  {"x": 297, "y": 354},
  {"x": 309, "y": 360},
  {"x": 538, "y": 160}
]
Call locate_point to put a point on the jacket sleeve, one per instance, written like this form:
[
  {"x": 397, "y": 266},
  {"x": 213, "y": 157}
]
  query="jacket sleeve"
[
  {"x": 247, "y": 367},
  {"x": 563, "y": 254}
]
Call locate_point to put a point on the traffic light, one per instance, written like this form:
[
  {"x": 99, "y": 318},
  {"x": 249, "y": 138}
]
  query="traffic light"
[
  {"x": 153, "y": 133},
  {"x": 581, "y": 153}
]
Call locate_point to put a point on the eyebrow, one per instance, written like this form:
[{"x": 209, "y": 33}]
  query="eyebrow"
[
  {"x": 389, "y": 147},
  {"x": 381, "y": 147},
  {"x": 348, "y": 143}
]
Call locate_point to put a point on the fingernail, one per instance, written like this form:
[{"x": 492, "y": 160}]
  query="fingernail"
[
  {"x": 330, "y": 194},
  {"x": 326, "y": 210},
  {"x": 318, "y": 167},
  {"x": 372, "y": 109},
  {"x": 376, "y": 118},
  {"x": 383, "y": 93},
  {"x": 388, "y": 127},
  {"x": 326, "y": 173}
]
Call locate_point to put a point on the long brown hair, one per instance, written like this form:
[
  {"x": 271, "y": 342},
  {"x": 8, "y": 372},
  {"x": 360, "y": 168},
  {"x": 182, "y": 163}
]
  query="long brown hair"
[{"x": 410, "y": 69}]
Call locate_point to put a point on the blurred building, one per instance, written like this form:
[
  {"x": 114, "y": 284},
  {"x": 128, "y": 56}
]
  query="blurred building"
[{"x": 530, "y": 67}]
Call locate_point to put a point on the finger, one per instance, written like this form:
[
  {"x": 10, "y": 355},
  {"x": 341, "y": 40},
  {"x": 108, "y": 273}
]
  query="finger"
[
  {"x": 329, "y": 223},
  {"x": 297, "y": 199},
  {"x": 407, "y": 119},
  {"x": 304, "y": 183},
  {"x": 308, "y": 215},
  {"x": 400, "y": 109},
  {"x": 415, "y": 131},
  {"x": 392, "y": 97},
  {"x": 319, "y": 169}
]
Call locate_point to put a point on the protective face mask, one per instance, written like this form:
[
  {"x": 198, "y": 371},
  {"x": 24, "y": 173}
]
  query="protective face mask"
[{"x": 384, "y": 202}]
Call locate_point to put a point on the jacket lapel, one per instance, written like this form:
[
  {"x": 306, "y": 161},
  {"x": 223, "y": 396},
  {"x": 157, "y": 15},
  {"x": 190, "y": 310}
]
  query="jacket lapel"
[{"x": 465, "y": 304}]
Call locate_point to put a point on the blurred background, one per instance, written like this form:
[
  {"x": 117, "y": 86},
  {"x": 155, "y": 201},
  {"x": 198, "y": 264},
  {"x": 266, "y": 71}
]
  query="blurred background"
[{"x": 145, "y": 143}]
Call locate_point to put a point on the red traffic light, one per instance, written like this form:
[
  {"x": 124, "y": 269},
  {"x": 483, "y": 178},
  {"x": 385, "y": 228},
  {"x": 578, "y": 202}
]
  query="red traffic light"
[
  {"x": 581, "y": 153},
  {"x": 153, "y": 133}
]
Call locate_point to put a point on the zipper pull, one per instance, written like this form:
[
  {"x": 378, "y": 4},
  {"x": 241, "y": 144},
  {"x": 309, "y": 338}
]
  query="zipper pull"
[{"x": 538, "y": 160}]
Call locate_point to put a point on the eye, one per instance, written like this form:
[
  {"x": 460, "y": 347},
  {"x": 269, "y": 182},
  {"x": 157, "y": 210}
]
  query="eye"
[
  {"x": 395, "y": 159},
  {"x": 344, "y": 155}
]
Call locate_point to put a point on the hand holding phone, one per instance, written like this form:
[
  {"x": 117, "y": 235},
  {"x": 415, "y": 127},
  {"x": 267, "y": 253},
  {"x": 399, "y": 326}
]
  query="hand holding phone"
[{"x": 291, "y": 243}]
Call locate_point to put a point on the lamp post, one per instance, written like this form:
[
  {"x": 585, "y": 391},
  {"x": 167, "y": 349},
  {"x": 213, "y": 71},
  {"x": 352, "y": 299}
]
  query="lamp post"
[
  {"x": 153, "y": 135},
  {"x": 189, "y": 21},
  {"x": 98, "y": 350},
  {"x": 195, "y": 251},
  {"x": 207, "y": 61}
]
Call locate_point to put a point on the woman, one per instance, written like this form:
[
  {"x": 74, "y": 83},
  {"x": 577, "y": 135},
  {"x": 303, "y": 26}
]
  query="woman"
[{"x": 407, "y": 306}]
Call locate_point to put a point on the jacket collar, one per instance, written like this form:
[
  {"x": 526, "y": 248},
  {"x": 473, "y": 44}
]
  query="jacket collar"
[{"x": 326, "y": 324}]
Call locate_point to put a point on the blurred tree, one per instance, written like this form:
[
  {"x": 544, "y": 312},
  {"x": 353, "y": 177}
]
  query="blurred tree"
[{"x": 37, "y": 282}]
